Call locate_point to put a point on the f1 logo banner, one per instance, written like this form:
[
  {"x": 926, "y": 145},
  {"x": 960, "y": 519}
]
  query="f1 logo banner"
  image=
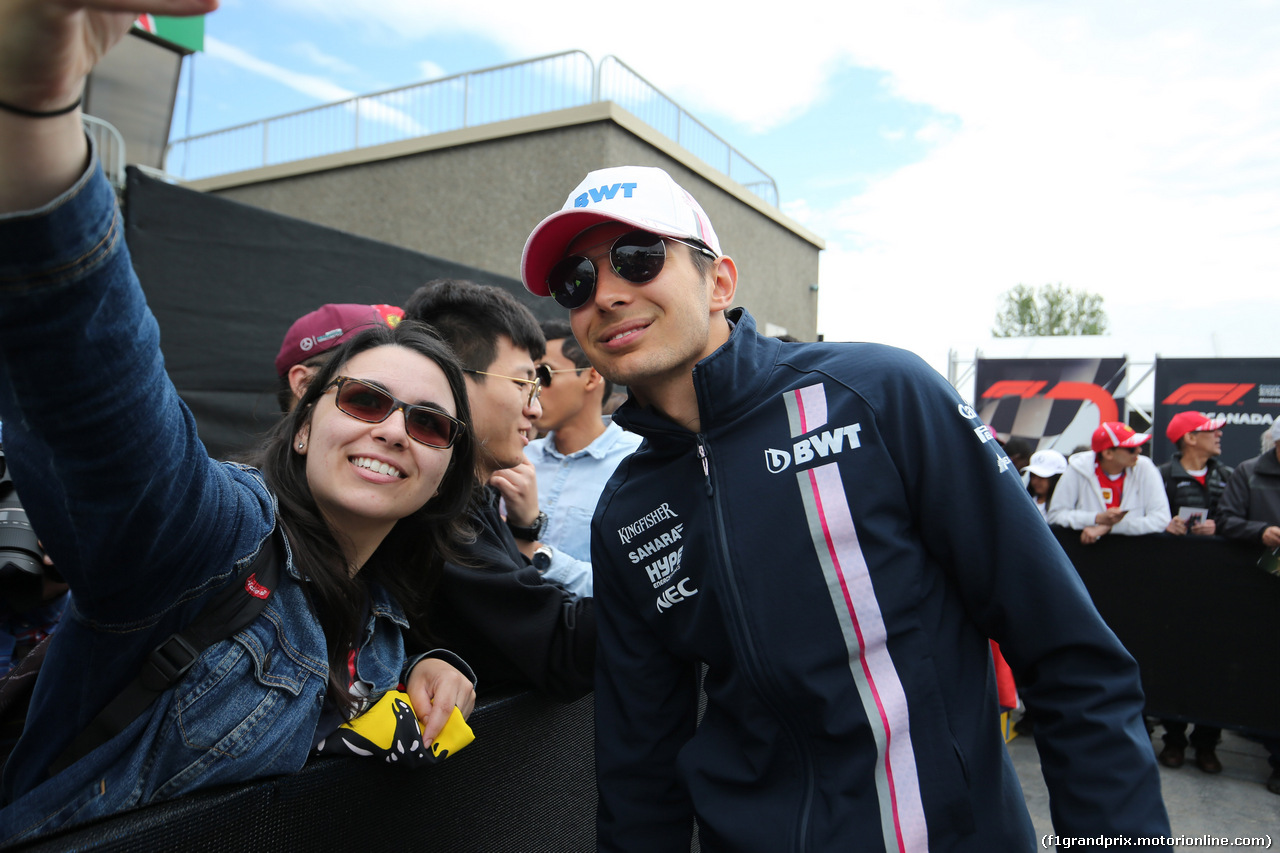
[
  {"x": 1244, "y": 391},
  {"x": 1052, "y": 402}
]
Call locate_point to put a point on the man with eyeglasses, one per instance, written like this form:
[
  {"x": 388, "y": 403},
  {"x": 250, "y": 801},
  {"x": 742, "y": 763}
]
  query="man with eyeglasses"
[
  {"x": 579, "y": 453},
  {"x": 519, "y": 626},
  {"x": 1111, "y": 489},
  {"x": 820, "y": 537}
]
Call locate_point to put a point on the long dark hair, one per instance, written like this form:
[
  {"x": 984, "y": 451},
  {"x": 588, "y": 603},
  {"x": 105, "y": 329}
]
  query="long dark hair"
[
  {"x": 409, "y": 561},
  {"x": 1053, "y": 484}
]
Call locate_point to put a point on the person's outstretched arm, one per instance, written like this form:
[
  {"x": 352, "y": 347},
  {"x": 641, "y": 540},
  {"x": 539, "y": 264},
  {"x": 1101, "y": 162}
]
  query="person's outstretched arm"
[{"x": 47, "y": 49}]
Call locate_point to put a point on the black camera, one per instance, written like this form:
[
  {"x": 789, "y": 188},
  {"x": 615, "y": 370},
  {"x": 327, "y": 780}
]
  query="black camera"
[{"x": 21, "y": 568}]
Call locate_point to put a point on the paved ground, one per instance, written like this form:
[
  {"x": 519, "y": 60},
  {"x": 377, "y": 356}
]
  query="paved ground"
[{"x": 1231, "y": 804}]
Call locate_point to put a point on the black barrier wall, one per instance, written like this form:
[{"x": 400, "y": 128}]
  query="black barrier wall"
[
  {"x": 1200, "y": 617},
  {"x": 526, "y": 784},
  {"x": 226, "y": 280}
]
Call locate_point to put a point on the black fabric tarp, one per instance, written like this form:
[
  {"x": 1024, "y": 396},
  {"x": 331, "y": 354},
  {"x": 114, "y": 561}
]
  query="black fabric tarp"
[
  {"x": 226, "y": 280},
  {"x": 1199, "y": 616}
]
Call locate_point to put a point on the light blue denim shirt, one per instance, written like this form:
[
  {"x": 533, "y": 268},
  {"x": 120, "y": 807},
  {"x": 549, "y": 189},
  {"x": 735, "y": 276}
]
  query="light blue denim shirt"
[
  {"x": 568, "y": 489},
  {"x": 145, "y": 527}
]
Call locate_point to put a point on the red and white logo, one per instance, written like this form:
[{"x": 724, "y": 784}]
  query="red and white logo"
[
  {"x": 1221, "y": 393},
  {"x": 1087, "y": 391},
  {"x": 254, "y": 588}
]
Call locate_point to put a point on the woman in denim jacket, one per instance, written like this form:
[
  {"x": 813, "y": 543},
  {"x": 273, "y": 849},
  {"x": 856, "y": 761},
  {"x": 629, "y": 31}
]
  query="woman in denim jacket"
[{"x": 145, "y": 527}]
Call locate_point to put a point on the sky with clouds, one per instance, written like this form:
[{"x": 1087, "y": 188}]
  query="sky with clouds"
[{"x": 946, "y": 150}]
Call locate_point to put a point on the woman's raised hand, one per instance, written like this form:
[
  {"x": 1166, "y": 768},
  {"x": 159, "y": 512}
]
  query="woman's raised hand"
[{"x": 47, "y": 48}]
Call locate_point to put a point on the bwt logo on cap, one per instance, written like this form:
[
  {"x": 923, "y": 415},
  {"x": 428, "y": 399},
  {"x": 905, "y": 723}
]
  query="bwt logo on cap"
[{"x": 603, "y": 194}]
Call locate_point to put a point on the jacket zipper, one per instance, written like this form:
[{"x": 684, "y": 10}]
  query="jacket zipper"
[{"x": 755, "y": 673}]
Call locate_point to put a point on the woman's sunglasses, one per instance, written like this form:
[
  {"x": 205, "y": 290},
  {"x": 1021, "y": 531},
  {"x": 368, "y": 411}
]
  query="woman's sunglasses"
[
  {"x": 367, "y": 402},
  {"x": 636, "y": 256}
]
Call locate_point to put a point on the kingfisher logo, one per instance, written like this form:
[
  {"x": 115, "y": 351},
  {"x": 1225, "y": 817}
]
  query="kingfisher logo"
[
  {"x": 1218, "y": 393},
  {"x": 674, "y": 595},
  {"x": 824, "y": 444},
  {"x": 603, "y": 194}
]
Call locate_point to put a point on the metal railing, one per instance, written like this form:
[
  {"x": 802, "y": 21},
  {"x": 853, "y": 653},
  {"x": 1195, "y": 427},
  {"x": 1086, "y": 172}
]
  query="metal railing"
[
  {"x": 110, "y": 146},
  {"x": 502, "y": 92},
  {"x": 616, "y": 81}
]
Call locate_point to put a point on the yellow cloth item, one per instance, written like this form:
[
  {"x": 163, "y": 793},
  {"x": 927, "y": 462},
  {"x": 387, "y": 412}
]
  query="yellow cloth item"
[{"x": 391, "y": 729}]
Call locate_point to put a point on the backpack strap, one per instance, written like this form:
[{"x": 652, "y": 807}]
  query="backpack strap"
[{"x": 231, "y": 610}]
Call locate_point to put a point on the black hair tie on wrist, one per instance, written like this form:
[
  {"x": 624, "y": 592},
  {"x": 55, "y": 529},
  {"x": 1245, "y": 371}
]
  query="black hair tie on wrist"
[{"x": 23, "y": 111}]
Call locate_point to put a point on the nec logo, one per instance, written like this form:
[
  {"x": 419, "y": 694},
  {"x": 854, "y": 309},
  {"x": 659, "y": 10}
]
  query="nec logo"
[
  {"x": 602, "y": 194},
  {"x": 822, "y": 445},
  {"x": 1222, "y": 393},
  {"x": 676, "y": 594}
]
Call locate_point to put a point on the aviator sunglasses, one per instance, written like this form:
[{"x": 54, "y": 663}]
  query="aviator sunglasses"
[
  {"x": 367, "y": 402},
  {"x": 636, "y": 256},
  {"x": 542, "y": 378}
]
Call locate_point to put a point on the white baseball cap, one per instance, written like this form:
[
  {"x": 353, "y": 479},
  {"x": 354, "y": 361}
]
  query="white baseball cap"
[
  {"x": 1047, "y": 463},
  {"x": 641, "y": 196}
]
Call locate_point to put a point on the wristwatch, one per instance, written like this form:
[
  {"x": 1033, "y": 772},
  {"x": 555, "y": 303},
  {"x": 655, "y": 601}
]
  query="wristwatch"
[
  {"x": 530, "y": 533},
  {"x": 542, "y": 559}
]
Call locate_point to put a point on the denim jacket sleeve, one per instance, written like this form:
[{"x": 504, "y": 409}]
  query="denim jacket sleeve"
[{"x": 104, "y": 454}]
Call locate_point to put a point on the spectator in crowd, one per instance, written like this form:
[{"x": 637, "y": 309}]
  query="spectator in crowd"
[
  {"x": 1043, "y": 473},
  {"x": 515, "y": 624},
  {"x": 785, "y": 540},
  {"x": 1194, "y": 478},
  {"x": 312, "y": 337},
  {"x": 147, "y": 529},
  {"x": 1250, "y": 512},
  {"x": 1112, "y": 488},
  {"x": 1019, "y": 450},
  {"x": 579, "y": 453}
]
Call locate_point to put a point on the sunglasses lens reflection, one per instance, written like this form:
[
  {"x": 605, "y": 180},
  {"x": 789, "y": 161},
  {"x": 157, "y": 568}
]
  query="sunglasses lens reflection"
[
  {"x": 571, "y": 281},
  {"x": 431, "y": 428},
  {"x": 638, "y": 256},
  {"x": 364, "y": 401},
  {"x": 373, "y": 405}
]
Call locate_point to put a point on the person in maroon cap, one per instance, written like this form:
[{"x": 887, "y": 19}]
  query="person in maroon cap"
[
  {"x": 312, "y": 336},
  {"x": 1111, "y": 489}
]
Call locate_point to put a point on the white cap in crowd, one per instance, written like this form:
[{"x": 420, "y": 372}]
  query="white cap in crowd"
[{"x": 1047, "y": 463}]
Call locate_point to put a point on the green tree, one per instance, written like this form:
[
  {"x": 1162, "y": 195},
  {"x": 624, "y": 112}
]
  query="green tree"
[{"x": 1049, "y": 310}]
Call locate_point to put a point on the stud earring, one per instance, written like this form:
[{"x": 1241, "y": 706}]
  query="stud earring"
[{"x": 301, "y": 445}]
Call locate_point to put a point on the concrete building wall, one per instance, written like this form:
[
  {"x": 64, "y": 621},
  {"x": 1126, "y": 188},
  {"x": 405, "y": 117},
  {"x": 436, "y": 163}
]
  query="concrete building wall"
[{"x": 473, "y": 196}]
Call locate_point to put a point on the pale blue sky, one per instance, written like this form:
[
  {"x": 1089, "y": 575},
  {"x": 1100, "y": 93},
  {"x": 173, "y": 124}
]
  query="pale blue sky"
[{"x": 947, "y": 150}]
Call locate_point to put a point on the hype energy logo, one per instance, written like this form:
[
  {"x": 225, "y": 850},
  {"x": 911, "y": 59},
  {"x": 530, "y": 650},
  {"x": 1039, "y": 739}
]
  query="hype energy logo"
[{"x": 807, "y": 413}]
